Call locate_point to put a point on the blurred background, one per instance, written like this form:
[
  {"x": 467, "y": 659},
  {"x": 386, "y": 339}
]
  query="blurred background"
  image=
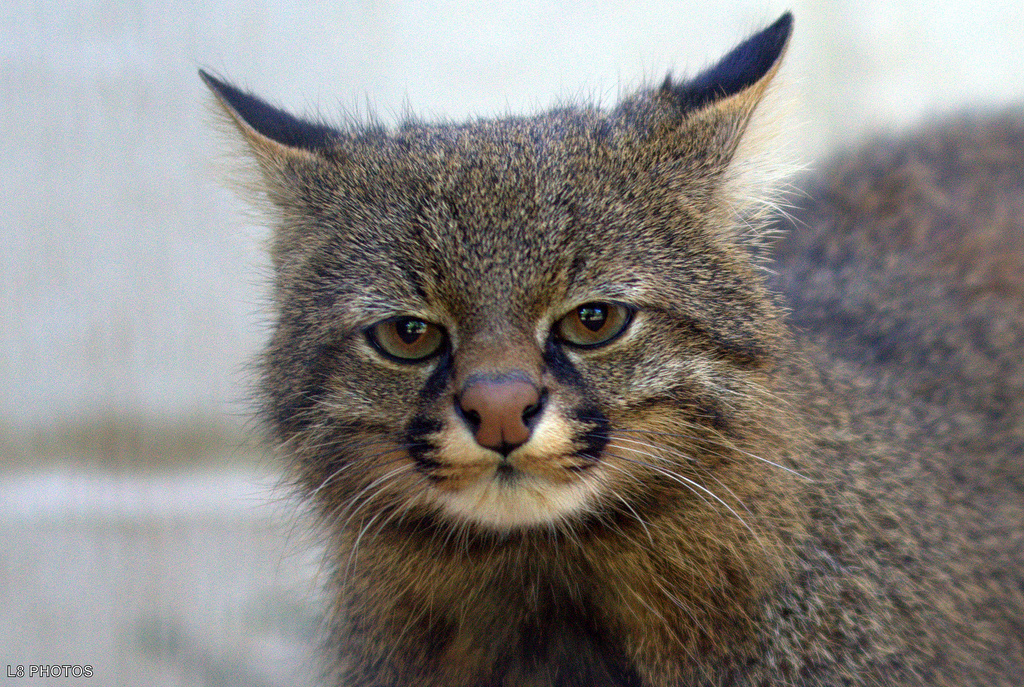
[{"x": 141, "y": 533}]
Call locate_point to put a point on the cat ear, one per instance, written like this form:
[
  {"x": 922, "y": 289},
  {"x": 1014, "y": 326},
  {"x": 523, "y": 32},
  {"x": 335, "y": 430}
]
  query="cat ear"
[
  {"x": 704, "y": 118},
  {"x": 274, "y": 136},
  {"x": 740, "y": 78}
]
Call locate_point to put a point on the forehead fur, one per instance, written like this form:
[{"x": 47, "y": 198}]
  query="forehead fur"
[
  {"x": 519, "y": 212},
  {"x": 513, "y": 206}
]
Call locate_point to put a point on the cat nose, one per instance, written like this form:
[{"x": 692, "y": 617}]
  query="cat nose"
[{"x": 501, "y": 412}]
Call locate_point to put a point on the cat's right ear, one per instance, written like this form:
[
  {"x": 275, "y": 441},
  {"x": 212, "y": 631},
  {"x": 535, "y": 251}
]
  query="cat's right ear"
[{"x": 277, "y": 139}]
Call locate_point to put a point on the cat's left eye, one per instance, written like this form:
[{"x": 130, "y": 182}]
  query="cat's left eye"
[
  {"x": 593, "y": 324},
  {"x": 407, "y": 339}
]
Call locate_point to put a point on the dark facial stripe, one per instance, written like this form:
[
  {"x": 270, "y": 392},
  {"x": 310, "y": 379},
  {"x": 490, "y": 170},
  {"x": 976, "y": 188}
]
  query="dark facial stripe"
[
  {"x": 438, "y": 381},
  {"x": 560, "y": 365},
  {"x": 596, "y": 435},
  {"x": 420, "y": 449}
]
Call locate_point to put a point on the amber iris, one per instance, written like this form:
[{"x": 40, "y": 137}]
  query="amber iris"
[
  {"x": 593, "y": 324},
  {"x": 407, "y": 339}
]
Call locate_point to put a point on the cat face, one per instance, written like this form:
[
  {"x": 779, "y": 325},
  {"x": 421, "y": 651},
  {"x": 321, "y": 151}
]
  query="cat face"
[
  {"x": 522, "y": 323},
  {"x": 501, "y": 335}
]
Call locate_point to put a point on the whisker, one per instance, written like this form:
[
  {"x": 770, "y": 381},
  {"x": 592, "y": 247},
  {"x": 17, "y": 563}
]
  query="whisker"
[
  {"x": 725, "y": 443},
  {"x": 347, "y": 465},
  {"x": 392, "y": 515},
  {"x": 353, "y": 552},
  {"x": 715, "y": 438},
  {"x": 688, "y": 483},
  {"x": 629, "y": 506},
  {"x": 357, "y": 504},
  {"x": 689, "y": 459},
  {"x": 692, "y": 485},
  {"x": 637, "y": 442}
]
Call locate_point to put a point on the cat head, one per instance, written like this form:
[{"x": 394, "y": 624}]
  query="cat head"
[{"x": 521, "y": 322}]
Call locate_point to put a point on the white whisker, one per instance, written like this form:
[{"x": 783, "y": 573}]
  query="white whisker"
[
  {"x": 349, "y": 463},
  {"x": 629, "y": 506},
  {"x": 717, "y": 439},
  {"x": 692, "y": 485}
]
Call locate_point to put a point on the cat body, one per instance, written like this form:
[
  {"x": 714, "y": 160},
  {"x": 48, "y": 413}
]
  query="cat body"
[{"x": 560, "y": 429}]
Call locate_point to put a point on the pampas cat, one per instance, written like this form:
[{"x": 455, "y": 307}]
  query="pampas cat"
[{"x": 561, "y": 428}]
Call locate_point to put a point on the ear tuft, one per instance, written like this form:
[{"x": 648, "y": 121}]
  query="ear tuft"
[
  {"x": 268, "y": 121},
  {"x": 744, "y": 66}
]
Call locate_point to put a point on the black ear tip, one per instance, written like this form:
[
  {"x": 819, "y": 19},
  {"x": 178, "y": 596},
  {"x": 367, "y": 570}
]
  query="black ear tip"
[
  {"x": 746, "y": 64},
  {"x": 768, "y": 43},
  {"x": 783, "y": 25},
  {"x": 219, "y": 85},
  {"x": 272, "y": 122},
  {"x": 209, "y": 79},
  {"x": 778, "y": 33}
]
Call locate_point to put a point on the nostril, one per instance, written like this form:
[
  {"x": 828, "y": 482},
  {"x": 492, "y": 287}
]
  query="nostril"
[
  {"x": 471, "y": 416},
  {"x": 532, "y": 411}
]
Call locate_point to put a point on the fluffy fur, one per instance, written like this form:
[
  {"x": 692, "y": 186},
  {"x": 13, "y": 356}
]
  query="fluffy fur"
[{"x": 814, "y": 481}]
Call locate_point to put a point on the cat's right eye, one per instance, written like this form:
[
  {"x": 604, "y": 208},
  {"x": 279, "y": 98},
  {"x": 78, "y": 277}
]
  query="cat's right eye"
[
  {"x": 593, "y": 324},
  {"x": 407, "y": 339}
]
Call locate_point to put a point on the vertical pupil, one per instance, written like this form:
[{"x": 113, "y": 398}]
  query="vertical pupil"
[
  {"x": 410, "y": 330},
  {"x": 593, "y": 316}
]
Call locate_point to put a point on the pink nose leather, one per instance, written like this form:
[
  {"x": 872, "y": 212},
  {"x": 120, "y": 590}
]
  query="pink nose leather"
[{"x": 499, "y": 411}]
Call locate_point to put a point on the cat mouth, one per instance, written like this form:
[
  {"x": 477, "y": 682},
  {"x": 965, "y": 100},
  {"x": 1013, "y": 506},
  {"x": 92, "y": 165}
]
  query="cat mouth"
[
  {"x": 508, "y": 471},
  {"x": 505, "y": 472},
  {"x": 519, "y": 494}
]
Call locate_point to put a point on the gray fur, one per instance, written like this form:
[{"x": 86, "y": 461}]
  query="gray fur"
[{"x": 809, "y": 480}]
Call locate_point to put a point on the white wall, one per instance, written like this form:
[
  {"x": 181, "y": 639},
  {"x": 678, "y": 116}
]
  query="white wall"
[{"x": 129, "y": 279}]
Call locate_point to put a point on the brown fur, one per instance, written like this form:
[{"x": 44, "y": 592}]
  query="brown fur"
[
  {"x": 905, "y": 267},
  {"x": 715, "y": 497}
]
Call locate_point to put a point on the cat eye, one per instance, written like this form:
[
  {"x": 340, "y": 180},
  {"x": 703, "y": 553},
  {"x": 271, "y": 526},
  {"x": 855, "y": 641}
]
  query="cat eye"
[
  {"x": 593, "y": 324},
  {"x": 407, "y": 339}
]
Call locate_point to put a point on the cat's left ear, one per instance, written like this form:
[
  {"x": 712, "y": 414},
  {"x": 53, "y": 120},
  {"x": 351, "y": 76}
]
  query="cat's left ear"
[
  {"x": 740, "y": 78},
  {"x": 703, "y": 119},
  {"x": 277, "y": 139}
]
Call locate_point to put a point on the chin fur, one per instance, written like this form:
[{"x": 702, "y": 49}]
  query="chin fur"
[{"x": 514, "y": 500}]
